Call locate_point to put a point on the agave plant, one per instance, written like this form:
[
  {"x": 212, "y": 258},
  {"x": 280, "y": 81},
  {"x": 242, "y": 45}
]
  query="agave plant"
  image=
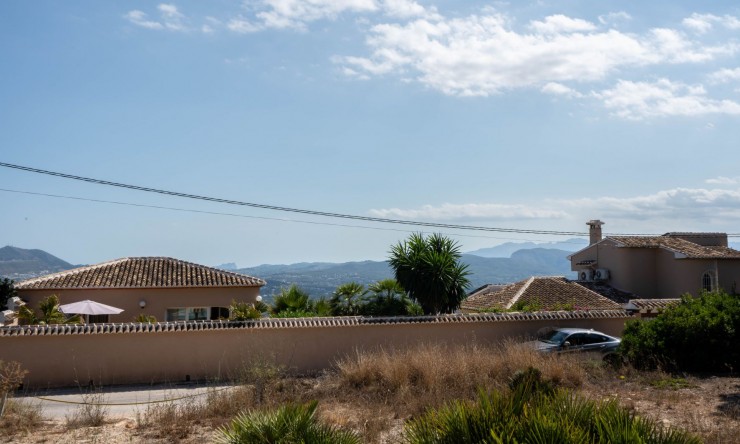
[
  {"x": 529, "y": 414},
  {"x": 289, "y": 424}
]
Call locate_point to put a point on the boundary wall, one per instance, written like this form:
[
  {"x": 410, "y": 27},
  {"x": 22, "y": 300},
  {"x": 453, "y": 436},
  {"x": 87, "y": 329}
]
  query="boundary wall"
[{"x": 109, "y": 354}]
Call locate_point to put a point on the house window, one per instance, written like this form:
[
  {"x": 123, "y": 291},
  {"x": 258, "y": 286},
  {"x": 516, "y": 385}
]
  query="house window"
[
  {"x": 187, "y": 314},
  {"x": 219, "y": 313},
  {"x": 706, "y": 281}
]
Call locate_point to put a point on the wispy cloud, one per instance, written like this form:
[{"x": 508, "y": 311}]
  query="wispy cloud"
[
  {"x": 486, "y": 211},
  {"x": 725, "y": 75},
  {"x": 557, "y": 24},
  {"x": 702, "y": 23},
  {"x": 641, "y": 100},
  {"x": 558, "y": 89},
  {"x": 722, "y": 180},
  {"x": 490, "y": 53},
  {"x": 691, "y": 205},
  {"x": 170, "y": 18}
]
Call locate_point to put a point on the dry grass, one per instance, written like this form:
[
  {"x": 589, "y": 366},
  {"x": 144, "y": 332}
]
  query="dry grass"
[
  {"x": 20, "y": 418},
  {"x": 428, "y": 375},
  {"x": 376, "y": 392},
  {"x": 92, "y": 413}
]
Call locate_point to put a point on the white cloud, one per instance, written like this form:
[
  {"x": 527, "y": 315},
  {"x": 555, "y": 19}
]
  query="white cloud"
[
  {"x": 703, "y": 23},
  {"x": 295, "y": 14},
  {"x": 722, "y": 180},
  {"x": 243, "y": 26},
  {"x": 407, "y": 9},
  {"x": 725, "y": 75},
  {"x": 469, "y": 212},
  {"x": 614, "y": 17},
  {"x": 480, "y": 55},
  {"x": 697, "y": 205},
  {"x": 558, "y": 89},
  {"x": 170, "y": 18},
  {"x": 640, "y": 100},
  {"x": 139, "y": 18},
  {"x": 561, "y": 24},
  {"x": 678, "y": 203}
]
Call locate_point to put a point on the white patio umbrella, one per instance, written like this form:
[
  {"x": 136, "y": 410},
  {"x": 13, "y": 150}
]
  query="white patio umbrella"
[{"x": 89, "y": 308}]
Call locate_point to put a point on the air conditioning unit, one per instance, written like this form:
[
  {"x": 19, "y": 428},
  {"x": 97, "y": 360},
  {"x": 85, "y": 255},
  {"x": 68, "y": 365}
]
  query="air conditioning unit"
[
  {"x": 601, "y": 274},
  {"x": 586, "y": 275}
]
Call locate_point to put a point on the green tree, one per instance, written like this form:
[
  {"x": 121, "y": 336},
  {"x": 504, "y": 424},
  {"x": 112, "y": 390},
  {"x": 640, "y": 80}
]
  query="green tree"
[
  {"x": 698, "y": 334},
  {"x": 389, "y": 299},
  {"x": 293, "y": 303},
  {"x": 429, "y": 269},
  {"x": 347, "y": 299},
  {"x": 243, "y": 311},
  {"x": 7, "y": 291},
  {"x": 50, "y": 313}
]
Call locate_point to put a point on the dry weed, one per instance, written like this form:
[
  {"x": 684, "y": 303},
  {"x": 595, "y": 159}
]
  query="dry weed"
[
  {"x": 434, "y": 373},
  {"x": 91, "y": 413},
  {"x": 20, "y": 418}
]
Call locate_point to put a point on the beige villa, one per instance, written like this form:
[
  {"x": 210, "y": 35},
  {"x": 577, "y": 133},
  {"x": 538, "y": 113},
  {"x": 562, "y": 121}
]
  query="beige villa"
[
  {"x": 168, "y": 289},
  {"x": 658, "y": 267}
]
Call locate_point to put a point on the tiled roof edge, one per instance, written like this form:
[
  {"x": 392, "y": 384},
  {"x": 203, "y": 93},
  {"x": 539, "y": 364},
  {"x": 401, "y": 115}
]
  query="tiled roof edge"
[
  {"x": 350, "y": 321},
  {"x": 46, "y": 277},
  {"x": 22, "y": 284}
]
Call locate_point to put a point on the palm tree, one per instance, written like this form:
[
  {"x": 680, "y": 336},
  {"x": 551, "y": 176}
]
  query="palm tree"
[
  {"x": 347, "y": 299},
  {"x": 50, "y": 313},
  {"x": 429, "y": 269},
  {"x": 389, "y": 299},
  {"x": 292, "y": 300}
]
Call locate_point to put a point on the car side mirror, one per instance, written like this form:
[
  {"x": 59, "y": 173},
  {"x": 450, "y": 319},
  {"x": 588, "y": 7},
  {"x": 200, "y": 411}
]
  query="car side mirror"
[{"x": 566, "y": 344}]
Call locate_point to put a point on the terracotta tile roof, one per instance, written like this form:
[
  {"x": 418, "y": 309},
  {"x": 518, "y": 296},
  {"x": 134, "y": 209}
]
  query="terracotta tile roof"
[
  {"x": 651, "y": 305},
  {"x": 140, "y": 272},
  {"x": 352, "y": 321},
  {"x": 550, "y": 293},
  {"x": 678, "y": 245},
  {"x": 609, "y": 292}
]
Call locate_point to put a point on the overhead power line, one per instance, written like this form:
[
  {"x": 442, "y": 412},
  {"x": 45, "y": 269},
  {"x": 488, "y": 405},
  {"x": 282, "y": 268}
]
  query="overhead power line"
[
  {"x": 309, "y": 212},
  {"x": 279, "y": 219},
  {"x": 288, "y": 209}
]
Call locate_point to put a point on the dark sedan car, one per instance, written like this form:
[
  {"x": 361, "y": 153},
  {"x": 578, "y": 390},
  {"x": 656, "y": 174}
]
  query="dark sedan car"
[{"x": 566, "y": 340}]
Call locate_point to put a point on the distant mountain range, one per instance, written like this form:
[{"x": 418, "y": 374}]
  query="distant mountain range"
[
  {"x": 509, "y": 248},
  {"x": 321, "y": 279},
  {"x": 487, "y": 266},
  {"x": 18, "y": 263}
]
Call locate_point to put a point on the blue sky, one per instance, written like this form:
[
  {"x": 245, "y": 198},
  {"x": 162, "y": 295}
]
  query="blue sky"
[{"x": 535, "y": 115}]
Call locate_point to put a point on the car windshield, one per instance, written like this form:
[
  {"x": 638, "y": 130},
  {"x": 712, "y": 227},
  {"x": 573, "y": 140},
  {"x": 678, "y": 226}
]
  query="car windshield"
[{"x": 554, "y": 337}]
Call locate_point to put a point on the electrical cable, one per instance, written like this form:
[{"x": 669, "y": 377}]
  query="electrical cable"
[{"x": 291, "y": 210}]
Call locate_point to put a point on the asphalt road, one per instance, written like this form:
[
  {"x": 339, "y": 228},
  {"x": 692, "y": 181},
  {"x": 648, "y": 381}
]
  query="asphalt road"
[{"x": 120, "y": 402}]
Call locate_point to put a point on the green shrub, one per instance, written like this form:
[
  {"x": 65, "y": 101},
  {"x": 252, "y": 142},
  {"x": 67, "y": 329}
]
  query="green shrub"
[
  {"x": 388, "y": 298},
  {"x": 289, "y": 424},
  {"x": 527, "y": 416},
  {"x": 698, "y": 334},
  {"x": 243, "y": 311}
]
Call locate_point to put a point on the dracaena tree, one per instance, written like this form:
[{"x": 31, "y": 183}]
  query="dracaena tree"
[{"x": 429, "y": 269}]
